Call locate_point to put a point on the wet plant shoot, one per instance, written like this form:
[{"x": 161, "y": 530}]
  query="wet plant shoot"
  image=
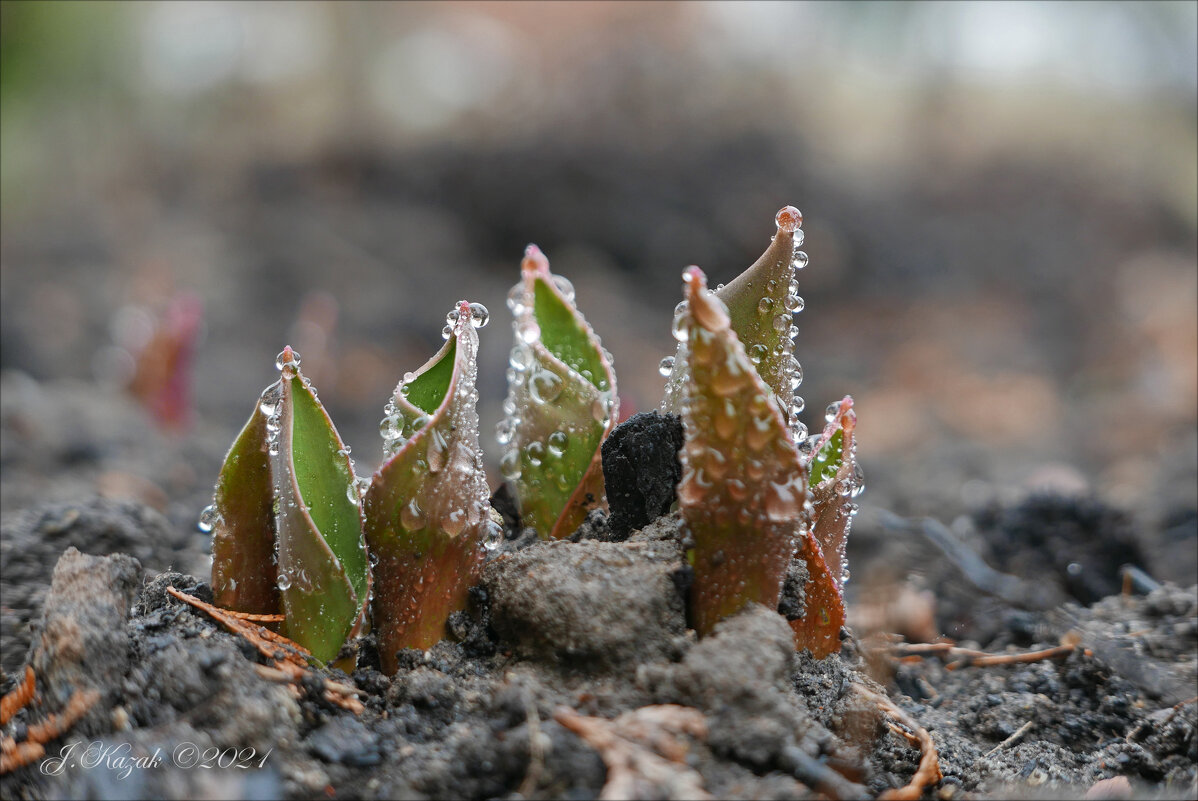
[{"x": 297, "y": 534}]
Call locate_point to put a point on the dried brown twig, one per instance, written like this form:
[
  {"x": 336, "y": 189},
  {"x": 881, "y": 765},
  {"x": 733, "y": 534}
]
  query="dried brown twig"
[
  {"x": 15, "y": 754},
  {"x": 969, "y": 657},
  {"x": 928, "y": 772},
  {"x": 16, "y": 699},
  {"x": 644, "y": 758},
  {"x": 290, "y": 659}
]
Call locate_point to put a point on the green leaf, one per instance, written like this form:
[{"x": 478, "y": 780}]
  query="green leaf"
[
  {"x": 287, "y": 491},
  {"x": 427, "y": 508},
  {"x": 561, "y": 404},
  {"x": 427, "y": 389},
  {"x": 761, "y": 302},
  {"x": 743, "y": 487},
  {"x": 322, "y": 558},
  {"x": 243, "y": 527},
  {"x": 827, "y": 459}
]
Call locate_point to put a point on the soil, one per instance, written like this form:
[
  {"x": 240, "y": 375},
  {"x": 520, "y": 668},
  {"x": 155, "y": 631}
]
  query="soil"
[{"x": 571, "y": 642}]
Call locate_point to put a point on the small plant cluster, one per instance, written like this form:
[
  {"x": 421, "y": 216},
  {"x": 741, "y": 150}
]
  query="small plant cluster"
[{"x": 297, "y": 534}]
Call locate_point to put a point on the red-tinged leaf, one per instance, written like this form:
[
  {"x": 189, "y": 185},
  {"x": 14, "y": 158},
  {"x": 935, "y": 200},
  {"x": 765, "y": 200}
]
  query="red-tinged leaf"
[
  {"x": 836, "y": 478},
  {"x": 427, "y": 509},
  {"x": 819, "y": 629},
  {"x": 163, "y": 366},
  {"x": 243, "y": 528},
  {"x": 743, "y": 488},
  {"x": 561, "y": 404}
]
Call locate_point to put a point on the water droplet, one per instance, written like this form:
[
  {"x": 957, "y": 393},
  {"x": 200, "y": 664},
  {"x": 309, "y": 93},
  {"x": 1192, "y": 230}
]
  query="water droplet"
[
  {"x": 601, "y": 409},
  {"x": 437, "y": 451},
  {"x": 788, "y": 219},
  {"x": 273, "y": 448},
  {"x": 737, "y": 490},
  {"x": 757, "y": 353},
  {"x": 843, "y": 487},
  {"x": 515, "y": 299},
  {"x": 798, "y": 431},
  {"x": 453, "y": 522},
  {"x": 858, "y": 480},
  {"x": 351, "y": 493},
  {"x": 545, "y": 386},
  {"x": 832, "y": 413},
  {"x": 794, "y": 303},
  {"x": 492, "y": 535},
  {"x": 209, "y": 519},
  {"x": 799, "y": 261},
  {"x": 689, "y": 491},
  {"x": 797, "y": 405},
  {"x": 535, "y": 451},
  {"x": 288, "y": 361},
  {"x": 679, "y": 326},
  {"x": 447, "y": 331},
  {"x": 479, "y": 315},
  {"x": 557, "y": 443},
  {"x": 362, "y": 484},
  {"x": 781, "y": 322},
  {"x": 765, "y": 305},
  {"x": 509, "y": 464},
  {"x": 412, "y": 517},
  {"x": 504, "y": 432},
  {"x": 798, "y": 238},
  {"x": 564, "y": 286},
  {"x": 528, "y": 331},
  {"x": 391, "y": 428},
  {"x": 284, "y": 581},
  {"x": 666, "y": 366},
  {"x": 451, "y": 316},
  {"x": 521, "y": 357}
]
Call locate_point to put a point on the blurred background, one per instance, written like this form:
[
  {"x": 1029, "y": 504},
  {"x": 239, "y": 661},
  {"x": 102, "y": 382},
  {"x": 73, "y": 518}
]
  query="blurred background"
[{"x": 1000, "y": 202}]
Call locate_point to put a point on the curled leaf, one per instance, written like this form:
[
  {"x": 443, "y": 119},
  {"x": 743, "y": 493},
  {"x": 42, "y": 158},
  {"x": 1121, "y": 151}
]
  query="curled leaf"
[
  {"x": 743, "y": 488},
  {"x": 761, "y": 303},
  {"x": 836, "y": 478},
  {"x": 561, "y": 404},
  {"x": 427, "y": 508},
  {"x": 287, "y": 493},
  {"x": 242, "y": 523}
]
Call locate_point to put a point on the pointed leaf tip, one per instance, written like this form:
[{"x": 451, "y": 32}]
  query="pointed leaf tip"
[
  {"x": 534, "y": 262},
  {"x": 788, "y": 219},
  {"x": 761, "y": 302}
]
